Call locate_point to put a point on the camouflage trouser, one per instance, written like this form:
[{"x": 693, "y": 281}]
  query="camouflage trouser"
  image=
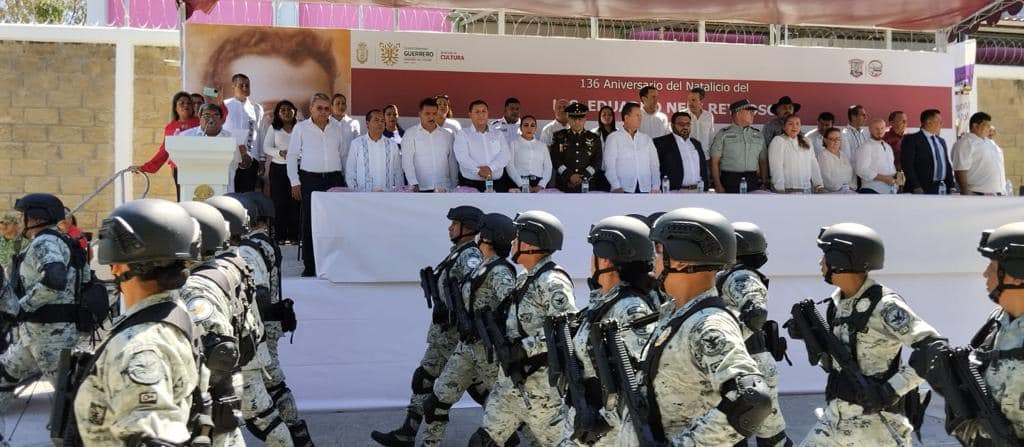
[
  {"x": 774, "y": 423},
  {"x": 506, "y": 410},
  {"x": 843, "y": 424},
  {"x": 467, "y": 367},
  {"x": 279, "y": 391},
  {"x": 261, "y": 416},
  {"x": 440, "y": 345},
  {"x": 36, "y": 349},
  {"x": 608, "y": 440},
  {"x": 713, "y": 428},
  {"x": 234, "y": 437}
]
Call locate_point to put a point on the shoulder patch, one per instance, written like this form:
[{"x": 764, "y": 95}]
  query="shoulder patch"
[
  {"x": 713, "y": 343},
  {"x": 144, "y": 368},
  {"x": 97, "y": 414},
  {"x": 200, "y": 308},
  {"x": 896, "y": 317}
]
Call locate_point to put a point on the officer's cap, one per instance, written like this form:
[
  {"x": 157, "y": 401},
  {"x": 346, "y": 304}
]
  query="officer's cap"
[
  {"x": 741, "y": 105},
  {"x": 577, "y": 110}
]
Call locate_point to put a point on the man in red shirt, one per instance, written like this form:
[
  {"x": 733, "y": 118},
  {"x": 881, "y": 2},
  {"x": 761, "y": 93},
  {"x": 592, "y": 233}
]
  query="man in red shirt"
[{"x": 897, "y": 127}]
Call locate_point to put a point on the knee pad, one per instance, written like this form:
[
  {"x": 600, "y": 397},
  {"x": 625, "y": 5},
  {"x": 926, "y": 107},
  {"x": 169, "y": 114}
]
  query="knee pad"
[
  {"x": 482, "y": 439},
  {"x": 7, "y": 382},
  {"x": 435, "y": 411},
  {"x": 479, "y": 393},
  {"x": 422, "y": 381},
  {"x": 262, "y": 434}
]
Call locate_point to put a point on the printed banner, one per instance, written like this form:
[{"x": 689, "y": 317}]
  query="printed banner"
[{"x": 379, "y": 68}]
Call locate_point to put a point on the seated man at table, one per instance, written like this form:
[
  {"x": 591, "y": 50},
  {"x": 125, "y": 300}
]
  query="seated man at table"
[
  {"x": 374, "y": 162},
  {"x": 630, "y": 160},
  {"x": 482, "y": 153}
]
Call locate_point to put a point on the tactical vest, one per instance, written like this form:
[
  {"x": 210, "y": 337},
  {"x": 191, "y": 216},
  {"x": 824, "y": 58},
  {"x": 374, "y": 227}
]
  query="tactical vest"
[
  {"x": 650, "y": 363},
  {"x": 243, "y": 296},
  {"x": 91, "y": 302},
  {"x": 271, "y": 310},
  {"x": 985, "y": 340},
  {"x": 532, "y": 364},
  {"x": 857, "y": 322},
  {"x": 475, "y": 284},
  {"x": 76, "y": 367},
  {"x": 449, "y": 260},
  {"x": 758, "y": 341}
]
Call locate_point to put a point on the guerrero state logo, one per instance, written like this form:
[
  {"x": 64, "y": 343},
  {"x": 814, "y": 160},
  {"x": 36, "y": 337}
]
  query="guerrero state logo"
[
  {"x": 362, "y": 53},
  {"x": 389, "y": 52},
  {"x": 856, "y": 68}
]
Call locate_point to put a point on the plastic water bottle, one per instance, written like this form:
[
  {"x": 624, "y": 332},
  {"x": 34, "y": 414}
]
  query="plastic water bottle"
[
  {"x": 489, "y": 185},
  {"x": 700, "y": 186},
  {"x": 845, "y": 187},
  {"x": 743, "y": 185},
  {"x": 893, "y": 189},
  {"x": 807, "y": 187},
  {"x": 665, "y": 184},
  {"x": 942, "y": 188},
  {"x": 1009, "y": 187},
  {"x": 585, "y": 186}
]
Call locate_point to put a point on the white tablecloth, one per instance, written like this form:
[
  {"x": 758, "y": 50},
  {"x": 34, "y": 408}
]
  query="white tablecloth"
[{"x": 362, "y": 333}]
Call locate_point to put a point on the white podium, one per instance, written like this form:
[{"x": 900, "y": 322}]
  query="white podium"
[{"x": 203, "y": 164}]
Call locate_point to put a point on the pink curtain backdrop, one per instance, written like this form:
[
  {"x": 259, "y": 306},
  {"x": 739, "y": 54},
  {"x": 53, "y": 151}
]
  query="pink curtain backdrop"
[{"x": 162, "y": 14}]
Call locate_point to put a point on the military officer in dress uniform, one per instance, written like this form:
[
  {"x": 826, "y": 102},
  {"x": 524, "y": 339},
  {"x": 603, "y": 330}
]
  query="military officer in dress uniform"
[{"x": 576, "y": 154}]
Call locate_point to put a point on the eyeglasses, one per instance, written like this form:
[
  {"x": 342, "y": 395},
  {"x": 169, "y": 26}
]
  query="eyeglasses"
[{"x": 209, "y": 116}]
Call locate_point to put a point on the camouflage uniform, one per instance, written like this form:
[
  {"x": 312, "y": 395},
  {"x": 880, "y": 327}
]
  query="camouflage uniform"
[
  {"x": 550, "y": 294},
  {"x": 274, "y": 378},
  {"x": 891, "y": 325},
  {"x": 441, "y": 340},
  {"x": 212, "y": 313},
  {"x": 261, "y": 417},
  {"x": 707, "y": 351},
  {"x": 37, "y": 346},
  {"x": 142, "y": 384},
  {"x": 624, "y": 311},
  {"x": 743, "y": 291},
  {"x": 1003, "y": 376},
  {"x": 468, "y": 366},
  {"x": 9, "y": 248}
]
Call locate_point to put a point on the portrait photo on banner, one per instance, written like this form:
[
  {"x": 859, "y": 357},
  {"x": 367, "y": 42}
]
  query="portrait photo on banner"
[{"x": 281, "y": 63}]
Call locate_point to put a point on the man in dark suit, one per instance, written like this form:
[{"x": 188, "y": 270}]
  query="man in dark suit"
[
  {"x": 682, "y": 158},
  {"x": 924, "y": 157}
]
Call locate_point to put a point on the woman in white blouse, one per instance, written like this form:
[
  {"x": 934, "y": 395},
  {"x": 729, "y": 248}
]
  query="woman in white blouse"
[
  {"x": 275, "y": 145},
  {"x": 444, "y": 114},
  {"x": 792, "y": 161},
  {"x": 530, "y": 158},
  {"x": 836, "y": 170}
]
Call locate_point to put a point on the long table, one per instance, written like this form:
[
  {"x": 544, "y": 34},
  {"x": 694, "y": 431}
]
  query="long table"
[{"x": 364, "y": 319}]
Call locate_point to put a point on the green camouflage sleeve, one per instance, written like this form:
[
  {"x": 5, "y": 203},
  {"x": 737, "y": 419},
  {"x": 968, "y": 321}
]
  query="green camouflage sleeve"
[
  {"x": 559, "y": 298},
  {"x": 900, "y": 322},
  {"x": 46, "y": 250}
]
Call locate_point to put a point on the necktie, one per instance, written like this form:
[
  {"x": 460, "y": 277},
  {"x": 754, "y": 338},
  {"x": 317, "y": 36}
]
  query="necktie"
[{"x": 940, "y": 162}]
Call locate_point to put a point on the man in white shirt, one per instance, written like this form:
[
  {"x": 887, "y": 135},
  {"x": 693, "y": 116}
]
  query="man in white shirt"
[
  {"x": 245, "y": 122},
  {"x": 978, "y": 161},
  {"x": 481, "y": 153},
  {"x": 630, "y": 159},
  {"x": 547, "y": 134},
  {"x": 315, "y": 159},
  {"x": 703, "y": 121},
  {"x": 508, "y": 124},
  {"x": 817, "y": 135},
  {"x": 853, "y": 135},
  {"x": 339, "y": 108},
  {"x": 427, "y": 156},
  {"x": 681, "y": 157},
  {"x": 211, "y": 125},
  {"x": 874, "y": 163},
  {"x": 652, "y": 122},
  {"x": 374, "y": 162}
]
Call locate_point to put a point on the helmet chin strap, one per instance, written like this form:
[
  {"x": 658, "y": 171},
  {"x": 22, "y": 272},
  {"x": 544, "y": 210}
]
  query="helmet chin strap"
[
  {"x": 520, "y": 251},
  {"x": 462, "y": 234},
  {"x": 594, "y": 280},
  {"x": 1001, "y": 286},
  {"x": 668, "y": 269}
]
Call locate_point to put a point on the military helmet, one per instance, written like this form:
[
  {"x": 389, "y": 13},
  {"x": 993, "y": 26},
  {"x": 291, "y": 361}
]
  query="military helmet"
[
  {"x": 468, "y": 216},
  {"x": 233, "y": 212},
  {"x": 264, "y": 205},
  {"x": 540, "y": 229},
  {"x": 653, "y": 217},
  {"x": 498, "y": 229},
  {"x": 42, "y": 206},
  {"x": 697, "y": 236},
  {"x": 148, "y": 230},
  {"x": 1005, "y": 245},
  {"x": 214, "y": 228},
  {"x": 851, "y": 247},
  {"x": 251, "y": 209},
  {"x": 750, "y": 239},
  {"x": 622, "y": 239}
]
